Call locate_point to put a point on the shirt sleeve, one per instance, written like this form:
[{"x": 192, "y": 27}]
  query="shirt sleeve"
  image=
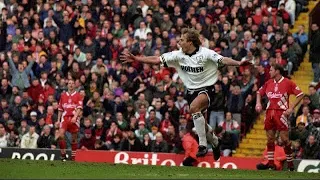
[
  {"x": 79, "y": 102},
  {"x": 215, "y": 57},
  {"x": 169, "y": 59},
  {"x": 262, "y": 90},
  {"x": 60, "y": 108},
  {"x": 294, "y": 89}
]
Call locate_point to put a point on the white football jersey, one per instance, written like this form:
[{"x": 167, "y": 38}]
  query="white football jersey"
[{"x": 196, "y": 71}]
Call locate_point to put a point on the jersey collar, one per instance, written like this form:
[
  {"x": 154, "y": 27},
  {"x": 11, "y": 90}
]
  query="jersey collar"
[
  {"x": 280, "y": 80},
  {"x": 194, "y": 52},
  {"x": 71, "y": 94}
]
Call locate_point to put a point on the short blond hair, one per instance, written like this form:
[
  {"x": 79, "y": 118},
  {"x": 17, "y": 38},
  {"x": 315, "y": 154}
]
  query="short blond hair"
[{"x": 192, "y": 35}]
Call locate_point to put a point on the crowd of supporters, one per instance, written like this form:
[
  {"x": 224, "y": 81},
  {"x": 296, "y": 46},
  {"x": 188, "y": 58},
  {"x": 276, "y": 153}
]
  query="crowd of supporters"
[{"x": 139, "y": 107}]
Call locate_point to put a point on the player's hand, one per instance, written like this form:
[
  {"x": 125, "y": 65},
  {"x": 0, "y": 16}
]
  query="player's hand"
[
  {"x": 258, "y": 107},
  {"x": 289, "y": 111},
  {"x": 74, "y": 120},
  {"x": 245, "y": 63},
  {"x": 127, "y": 57}
]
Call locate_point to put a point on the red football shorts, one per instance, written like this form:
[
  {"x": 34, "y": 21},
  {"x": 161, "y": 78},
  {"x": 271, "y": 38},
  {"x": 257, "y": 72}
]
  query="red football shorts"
[
  {"x": 276, "y": 120},
  {"x": 69, "y": 126}
]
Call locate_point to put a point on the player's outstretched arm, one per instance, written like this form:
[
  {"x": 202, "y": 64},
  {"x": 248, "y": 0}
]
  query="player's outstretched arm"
[
  {"x": 230, "y": 62},
  {"x": 127, "y": 57}
]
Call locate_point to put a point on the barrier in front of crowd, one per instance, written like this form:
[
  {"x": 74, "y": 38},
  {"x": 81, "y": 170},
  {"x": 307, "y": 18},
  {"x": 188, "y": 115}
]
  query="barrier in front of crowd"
[
  {"x": 32, "y": 154},
  {"x": 143, "y": 158},
  {"x": 163, "y": 159},
  {"x": 170, "y": 159}
]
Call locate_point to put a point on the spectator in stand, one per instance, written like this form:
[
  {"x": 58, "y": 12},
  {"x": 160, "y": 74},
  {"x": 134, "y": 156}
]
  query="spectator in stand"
[
  {"x": 13, "y": 139},
  {"x": 314, "y": 126},
  {"x": 305, "y": 117},
  {"x": 231, "y": 126},
  {"x": 142, "y": 114},
  {"x": 3, "y": 137},
  {"x": 88, "y": 141},
  {"x": 116, "y": 142},
  {"x": 297, "y": 150},
  {"x": 146, "y": 144},
  {"x": 299, "y": 133},
  {"x": 311, "y": 150},
  {"x": 23, "y": 129},
  {"x": 29, "y": 140},
  {"x": 217, "y": 107},
  {"x": 98, "y": 129},
  {"x": 314, "y": 97},
  {"x": 235, "y": 103},
  {"x": 159, "y": 145},
  {"x": 110, "y": 133},
  {"x": 46, "y": 139},
  {"x": 153, "y": 133},
  {"x": 305, "y": 102},
  {"x": 122, "y": 123},
  {"x": 290, "y": 7},
  {"x": 171, "y": 138},
  {"x": 315, "y": 51},
  {"x": 99, "y": 145},
  {"x": 131, "y": 143},
  {"x": 316, "y": 116},
  {"x": 182, "y": 104},
  {"x": 152, "y": 120},
  {"x": 20, "y": 74},
  {"x": 226, "y": 140},
  {"x": 141, "y": 131},
  {"x": 302, "y": 38}
]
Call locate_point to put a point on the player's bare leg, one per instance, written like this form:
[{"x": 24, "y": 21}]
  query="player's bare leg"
[
  {"x": 284, "y": 135},
  {"x": 62, "y": 143},
  {"x": 74, "y": 145},
  {"x": 199, "y": 104},
  {"x": 271, "y": 135}
]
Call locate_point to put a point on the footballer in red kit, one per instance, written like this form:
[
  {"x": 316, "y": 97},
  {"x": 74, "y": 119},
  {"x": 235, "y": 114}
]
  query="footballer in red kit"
[
  {"x": 70, "y": 107},
  {"x": 278, "y": 89}
]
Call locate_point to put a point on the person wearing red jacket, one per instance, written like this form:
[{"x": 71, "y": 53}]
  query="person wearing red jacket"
[
  {"x": 279, "y": 157},
  {"x": 190, "y": 146},
  {"x": 47, "y": 90},
  {"x": 35, "y": 90}
]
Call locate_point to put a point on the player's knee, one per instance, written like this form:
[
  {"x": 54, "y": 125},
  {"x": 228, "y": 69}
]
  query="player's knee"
[
  {"x": 271, "y": 139},
  {"x": 194, "y": 109}
]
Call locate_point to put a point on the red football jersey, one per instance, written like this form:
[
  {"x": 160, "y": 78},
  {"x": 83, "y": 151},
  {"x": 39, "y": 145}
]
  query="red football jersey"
[
  {"x": 70, "y": 102},
  {"x": 278, "y": 93}
]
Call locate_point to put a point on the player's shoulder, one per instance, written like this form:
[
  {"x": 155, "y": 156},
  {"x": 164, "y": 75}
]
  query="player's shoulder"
[
  {"x": 205, "y": 50},
  {"x": 270, "y": 81},
  {"x": 63, "y": 94},
  {"x": 288, "y": 81}
]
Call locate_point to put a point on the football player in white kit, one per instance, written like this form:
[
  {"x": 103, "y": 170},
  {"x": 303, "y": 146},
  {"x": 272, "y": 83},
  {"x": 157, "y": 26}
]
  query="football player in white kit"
[{"x": 198, "y": 69}]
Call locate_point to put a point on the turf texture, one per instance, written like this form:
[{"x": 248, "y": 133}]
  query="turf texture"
[{"x": 66, "y": 170}]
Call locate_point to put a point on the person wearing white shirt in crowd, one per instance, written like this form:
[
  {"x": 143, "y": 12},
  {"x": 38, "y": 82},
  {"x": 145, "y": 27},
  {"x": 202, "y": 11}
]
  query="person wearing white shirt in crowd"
[
  {"x": 143, "y": 7},
  {"x": 290, "y": 7},
  {"x": 142, "y": 31},
  {"x": 30, "y": 139},
  {"x": 3, "y": 137}
]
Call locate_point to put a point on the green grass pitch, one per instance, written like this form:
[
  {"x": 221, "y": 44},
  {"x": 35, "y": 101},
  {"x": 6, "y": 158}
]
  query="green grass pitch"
[{"x": 66, "y": 170}]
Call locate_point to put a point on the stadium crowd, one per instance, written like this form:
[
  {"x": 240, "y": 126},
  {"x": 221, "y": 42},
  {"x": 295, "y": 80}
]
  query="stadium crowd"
[{"x": 138, "y": 107}]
